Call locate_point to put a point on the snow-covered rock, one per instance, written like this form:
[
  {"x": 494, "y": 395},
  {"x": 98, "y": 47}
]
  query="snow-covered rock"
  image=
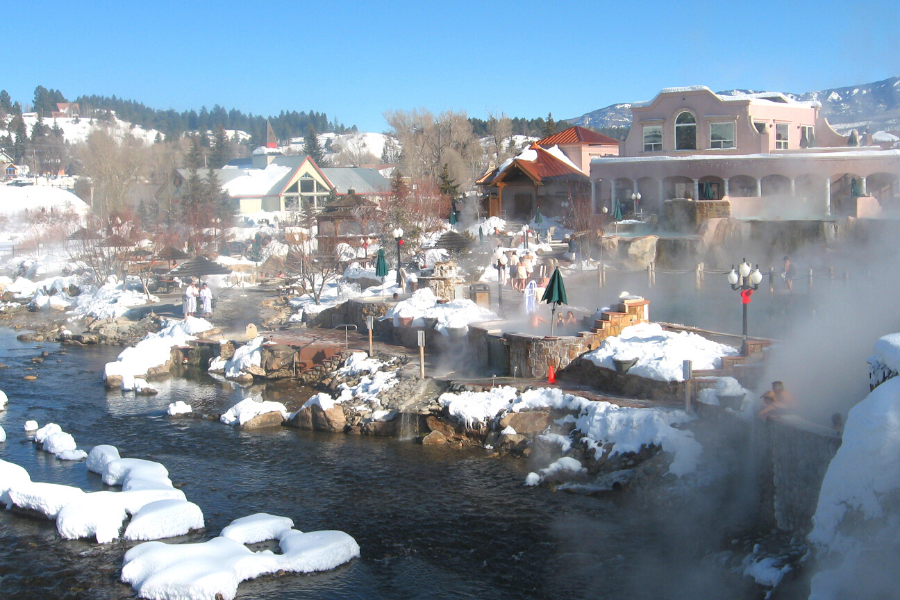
[
  {"x": 178, "y": 407},
  {"x": 155, "y": 349},
  {"x": 245, "y": 410},
  {"x": 164, "y": 519},
  {"x": 257, "y": 528}
]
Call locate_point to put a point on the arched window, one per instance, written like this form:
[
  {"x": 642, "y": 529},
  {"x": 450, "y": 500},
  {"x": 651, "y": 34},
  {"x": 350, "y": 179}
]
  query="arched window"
[{"x": 685, "y": 131}]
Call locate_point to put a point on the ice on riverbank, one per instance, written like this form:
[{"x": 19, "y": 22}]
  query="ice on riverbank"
[
  {"x": 247, "y": 409},
  {"x": 156, "y": 348},
  {"x": 659, "y": 353},
  {"x": 216, "y": 567}
]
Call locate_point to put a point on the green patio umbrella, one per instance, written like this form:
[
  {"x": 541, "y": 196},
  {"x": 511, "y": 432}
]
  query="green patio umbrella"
[
  {"x": 452, "y": 216},
  {"x": 617, "y": 213},
  {"x": 480, "y": 235},
  {"x": 381, "y": 269},
  {"x": 538, "y": 217},
  {"x": 855, "y": 192},
  {"x": 555, "y": 294}
]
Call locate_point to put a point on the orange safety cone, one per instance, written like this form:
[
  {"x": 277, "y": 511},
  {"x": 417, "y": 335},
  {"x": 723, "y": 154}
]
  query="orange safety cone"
[{"x": 551, "y": 374}]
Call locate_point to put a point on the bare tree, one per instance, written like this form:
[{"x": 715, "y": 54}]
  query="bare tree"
[
  {"x": 580, "y": 218},
  {"x": 352, "y": 151},
  {"x": 311, "y": 269},
  {"x": 431, "y": 141},
  {"x": 113, "y": 166},
  {"x": 499, "y": 132}
]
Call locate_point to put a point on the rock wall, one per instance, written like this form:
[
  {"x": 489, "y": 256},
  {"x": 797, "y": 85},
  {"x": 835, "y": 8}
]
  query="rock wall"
[{"x": 797, "y": 455}]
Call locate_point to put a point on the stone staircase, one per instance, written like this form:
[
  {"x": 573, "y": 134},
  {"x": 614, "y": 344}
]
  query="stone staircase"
[{"x": 611, "y": 323}]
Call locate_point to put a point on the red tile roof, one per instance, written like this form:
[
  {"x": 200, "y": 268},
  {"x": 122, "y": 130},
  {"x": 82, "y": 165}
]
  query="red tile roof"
[
  {"x": 576, "y": 135},
  {"x": 544, "y": 166}
]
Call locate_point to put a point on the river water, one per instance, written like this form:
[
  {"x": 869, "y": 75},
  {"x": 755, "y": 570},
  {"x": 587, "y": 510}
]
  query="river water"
[{"x": 432, "y": 522}]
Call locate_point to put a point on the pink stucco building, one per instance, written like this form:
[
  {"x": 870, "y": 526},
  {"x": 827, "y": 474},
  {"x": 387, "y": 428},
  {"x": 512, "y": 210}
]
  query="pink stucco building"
[{"x": 769, "y": 156}]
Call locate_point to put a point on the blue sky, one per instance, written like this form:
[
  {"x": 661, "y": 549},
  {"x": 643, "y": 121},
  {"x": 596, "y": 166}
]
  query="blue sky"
[{"x": 354, "y": 60}]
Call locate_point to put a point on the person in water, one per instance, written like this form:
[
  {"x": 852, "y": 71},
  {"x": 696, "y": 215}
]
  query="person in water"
[{"x": 778, "y": 401}]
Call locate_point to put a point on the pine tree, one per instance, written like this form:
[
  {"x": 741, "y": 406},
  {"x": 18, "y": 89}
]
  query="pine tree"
[
  {"x": 221, "y": 149},
  {"x": 448, "y": 188},
  {"x": 312, "y": 147},
  {"x": 549, "y": 126},
  {"x": 5, "y": 102},
  {"x": 193, "y": 194}
]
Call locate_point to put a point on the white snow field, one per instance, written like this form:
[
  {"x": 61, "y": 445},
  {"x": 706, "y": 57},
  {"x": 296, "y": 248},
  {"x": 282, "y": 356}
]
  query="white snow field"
[
  {"x": 659, "y": 353},
  {"x": 216, "y": 567}
]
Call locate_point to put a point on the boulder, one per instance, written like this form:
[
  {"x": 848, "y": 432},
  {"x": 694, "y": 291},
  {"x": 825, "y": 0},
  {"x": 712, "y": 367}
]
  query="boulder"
[
  {"x": 513, "y": 441},
  {"x": 271, "y": 419},
  {"x": 87, "y": 338},
  {"x": 526, "y": 422},
  {"x": 382, "y": 428},
  {"x": 434, "y": 438},
  {"x": 258, "y": 371},
  {"x": 332, "y": 420},
  {"x": 158, "y": 371},
  {"x": 641, "y": 252},
  {"x": 448, "y": 430},
  {"x": 302, "y": 419},
  {"x": 273, "y": 363},
  {"x": 114, "y": 381}
]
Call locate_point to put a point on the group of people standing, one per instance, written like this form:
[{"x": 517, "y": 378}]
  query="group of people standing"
[{"x": 192, "y": 293}]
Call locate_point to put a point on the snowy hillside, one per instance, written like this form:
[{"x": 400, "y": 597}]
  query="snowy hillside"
[{"x": 873, "y": 106}]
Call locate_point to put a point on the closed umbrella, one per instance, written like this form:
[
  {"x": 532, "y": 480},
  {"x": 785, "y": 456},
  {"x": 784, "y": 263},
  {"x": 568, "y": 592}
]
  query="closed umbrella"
[
  {"x": 617, "y": 213},
  {"x": 538, "y": 217},
  {"x": 555, "y": 295},
  {"x": 452, "y": 216},
  {"x": 480, "y": 235},
  {"x": 381, "y": 269},
  {"x": 855, "y": 192}
]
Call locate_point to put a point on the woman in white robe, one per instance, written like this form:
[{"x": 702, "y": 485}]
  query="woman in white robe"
[{"x": 206, "y": 299}]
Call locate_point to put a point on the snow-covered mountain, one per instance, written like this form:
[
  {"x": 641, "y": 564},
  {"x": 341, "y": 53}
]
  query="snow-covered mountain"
[{"x": 871, "y": 106}]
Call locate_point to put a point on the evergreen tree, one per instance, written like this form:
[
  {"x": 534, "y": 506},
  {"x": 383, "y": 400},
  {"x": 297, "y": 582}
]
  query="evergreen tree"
[
  {"x": 448, "y": 188},
  {"x": 194, "y": 191},
  {"x": 549, "y": 126},
  {"x": 5, "y": 102},
  {"x": 312, "y": 147},
  {"x": 220, "y": 152}
]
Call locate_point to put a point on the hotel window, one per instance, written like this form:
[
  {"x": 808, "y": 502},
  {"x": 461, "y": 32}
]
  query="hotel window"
[
  {"x": 781, "y": 136},
  {"x": 652, "y": 138},
  {"x": 685, "y": 131},
  {"x": 721, "y": 135},
  {"x": 807, "y": 136}
]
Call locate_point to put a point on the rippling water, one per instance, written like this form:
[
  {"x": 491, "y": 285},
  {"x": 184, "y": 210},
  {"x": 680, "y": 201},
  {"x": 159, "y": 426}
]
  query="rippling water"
[{"x": 432, "y": 522}]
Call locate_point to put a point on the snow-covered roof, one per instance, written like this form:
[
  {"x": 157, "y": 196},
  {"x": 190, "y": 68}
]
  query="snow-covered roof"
[
  {"x": 869, "y": 152},
  {"x": 765, "y": 97},
  {"x": 14, "y": 200},
  {"x": 363, "y": 181}
]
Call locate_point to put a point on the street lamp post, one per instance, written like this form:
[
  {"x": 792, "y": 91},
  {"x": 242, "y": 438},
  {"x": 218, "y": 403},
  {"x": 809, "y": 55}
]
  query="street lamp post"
[
  {"x": 636, "y": 198},
  {"x": 501, "y": 259},
  {"x": 601, "y": 270},
  {"x": 398, "y": 235},
  {"x": 746, "y": 282}
]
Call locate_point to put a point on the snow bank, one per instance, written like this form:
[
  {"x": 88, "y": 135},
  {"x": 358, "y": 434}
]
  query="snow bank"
[
  {"x": 856, "y": 517},
  {"x": 100, "y": 456},
  {"x": 163, "y": 519},
  {"x": 248, "y": 355},
  {"x": 472, "y": 408},
  {"x": 11, "y": 475},
  {"x": 156, "y": 348},
  {"x": 201, "y": 571},
  {"x": 108, "y": 302},
  {"x": 179, "y": 408},
  {"x": 885, "y": 362},
  {"x": 245, "y": 410},
  {"x": 257, "y": 528},
  {"x": 57, "y": 442},
  {"x": 45, "y": 498},
  {"x": 659, "y": 353},
  {"x": 456, "y": 314}
]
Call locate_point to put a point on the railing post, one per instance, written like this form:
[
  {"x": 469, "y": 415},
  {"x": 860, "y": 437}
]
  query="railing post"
[{"x": 810, "y": 278}]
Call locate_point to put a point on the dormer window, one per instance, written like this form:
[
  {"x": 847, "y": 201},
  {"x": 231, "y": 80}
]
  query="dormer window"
[{"x": 685, "y": 131}]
